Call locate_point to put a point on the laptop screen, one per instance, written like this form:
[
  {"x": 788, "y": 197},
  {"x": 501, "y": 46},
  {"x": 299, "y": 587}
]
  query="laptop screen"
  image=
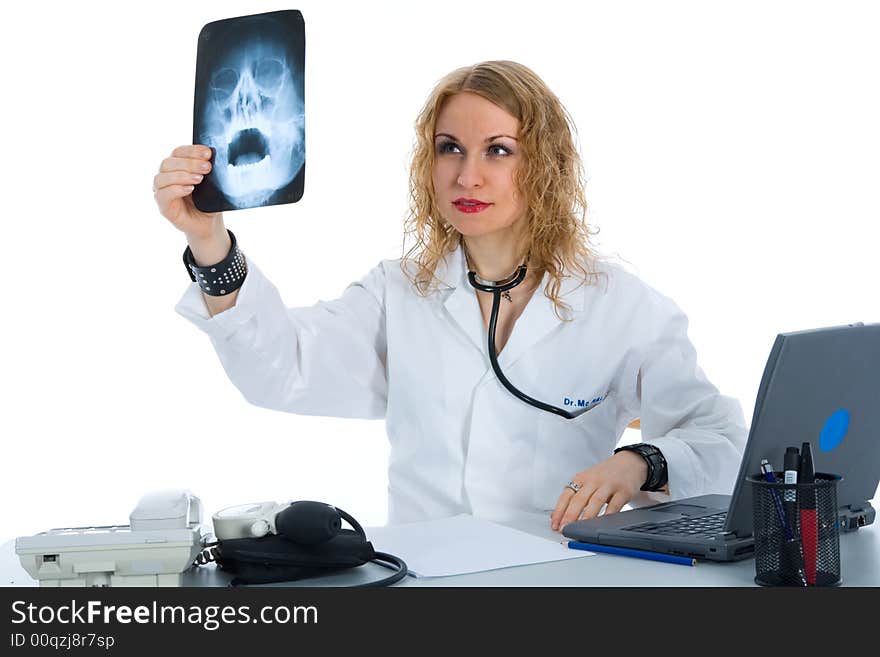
[{"x": 813, "y": 379}]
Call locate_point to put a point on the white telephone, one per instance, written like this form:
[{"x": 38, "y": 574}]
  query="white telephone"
[{"x": 163, "y": 537}]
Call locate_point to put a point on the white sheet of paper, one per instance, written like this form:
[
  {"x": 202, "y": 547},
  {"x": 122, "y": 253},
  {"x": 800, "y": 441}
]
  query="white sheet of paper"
[{"x": 465, "y": 544}]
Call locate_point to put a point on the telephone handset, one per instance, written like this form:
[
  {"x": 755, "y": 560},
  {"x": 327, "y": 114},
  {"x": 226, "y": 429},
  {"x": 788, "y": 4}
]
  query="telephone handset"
[
  {"x": 166, "y": 509},
  {"x": 268, "y": 542}
]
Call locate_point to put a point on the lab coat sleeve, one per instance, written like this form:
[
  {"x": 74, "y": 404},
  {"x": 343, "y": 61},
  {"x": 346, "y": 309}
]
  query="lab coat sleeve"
[
  {"x": 327, "y": 359},
  {"x": 701, "y": 432}
]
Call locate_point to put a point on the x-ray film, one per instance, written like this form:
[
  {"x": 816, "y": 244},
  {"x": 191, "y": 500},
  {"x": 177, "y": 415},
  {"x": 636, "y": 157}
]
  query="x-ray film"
[{"x": 250, "y": 109}]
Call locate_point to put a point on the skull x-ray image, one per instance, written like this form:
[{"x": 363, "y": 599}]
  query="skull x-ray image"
[{"x": 250, "y": 109}]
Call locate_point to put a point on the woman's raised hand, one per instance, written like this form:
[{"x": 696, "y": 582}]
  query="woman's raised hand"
[{"x": 173, "y": 186}]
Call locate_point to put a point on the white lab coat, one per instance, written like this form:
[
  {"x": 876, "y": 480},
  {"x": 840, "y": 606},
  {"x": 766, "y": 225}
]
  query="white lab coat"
[{"x": 460, "y": 442}]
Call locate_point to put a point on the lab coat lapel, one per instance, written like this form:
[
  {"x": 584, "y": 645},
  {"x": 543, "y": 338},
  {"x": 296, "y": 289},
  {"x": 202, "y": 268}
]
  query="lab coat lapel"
[
  {"x": 538, "y": 319},
  {"x": 461, "y": 303}
]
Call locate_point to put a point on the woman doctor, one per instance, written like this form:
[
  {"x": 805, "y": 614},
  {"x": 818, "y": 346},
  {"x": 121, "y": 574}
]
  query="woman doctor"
[{"x": 583, "y": 347}]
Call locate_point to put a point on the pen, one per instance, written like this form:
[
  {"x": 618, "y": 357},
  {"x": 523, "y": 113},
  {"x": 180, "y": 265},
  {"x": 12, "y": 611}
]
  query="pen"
[
  {"x": 791, "y": 465},
  {"x": 627, "y": 552},
  {"x": 807, "y": 504},
  {"x": 791, "y": 549},
  {"x": 767, "y": 471}
]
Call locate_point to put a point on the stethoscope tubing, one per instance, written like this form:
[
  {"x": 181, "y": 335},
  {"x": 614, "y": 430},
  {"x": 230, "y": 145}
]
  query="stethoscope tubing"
[{"x": 496, "y": 290}]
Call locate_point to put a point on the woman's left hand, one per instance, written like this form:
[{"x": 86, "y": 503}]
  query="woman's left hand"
[{"x": 614, "y": 481}]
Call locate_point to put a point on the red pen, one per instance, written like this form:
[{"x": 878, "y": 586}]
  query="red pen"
[{"x": 809, "y": 522}]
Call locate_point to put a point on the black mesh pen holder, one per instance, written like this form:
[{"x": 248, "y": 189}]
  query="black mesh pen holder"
[{"x": 797, "y": 531}]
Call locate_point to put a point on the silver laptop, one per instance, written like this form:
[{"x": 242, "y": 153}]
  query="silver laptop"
[{"x": 809, "y": 376}]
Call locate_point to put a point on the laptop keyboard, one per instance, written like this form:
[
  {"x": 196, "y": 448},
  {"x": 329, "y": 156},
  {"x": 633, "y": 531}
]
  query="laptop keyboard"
[{"x": 704, "y": 526}]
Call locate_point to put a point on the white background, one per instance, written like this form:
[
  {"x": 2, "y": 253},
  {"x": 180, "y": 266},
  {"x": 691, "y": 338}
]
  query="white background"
[{"x": 732, "y": 156}]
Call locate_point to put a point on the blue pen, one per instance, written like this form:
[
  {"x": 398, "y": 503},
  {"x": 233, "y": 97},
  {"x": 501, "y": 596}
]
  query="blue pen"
[
  {"x": 791, "y": 547},
  {"x": 767, "y": 470},
  {"x": 627, "y": 552}
]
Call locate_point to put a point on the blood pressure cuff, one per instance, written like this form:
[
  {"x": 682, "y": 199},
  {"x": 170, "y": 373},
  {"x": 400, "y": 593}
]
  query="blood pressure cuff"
[{"x": 274, "y": 558}]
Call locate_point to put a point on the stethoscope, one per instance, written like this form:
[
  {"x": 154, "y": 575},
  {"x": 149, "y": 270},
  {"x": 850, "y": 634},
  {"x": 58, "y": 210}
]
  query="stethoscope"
[{"x": 497, "y": 288}]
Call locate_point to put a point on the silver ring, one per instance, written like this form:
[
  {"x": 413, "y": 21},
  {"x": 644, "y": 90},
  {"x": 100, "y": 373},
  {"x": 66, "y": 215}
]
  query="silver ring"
[{"x": 574, "y": 486}]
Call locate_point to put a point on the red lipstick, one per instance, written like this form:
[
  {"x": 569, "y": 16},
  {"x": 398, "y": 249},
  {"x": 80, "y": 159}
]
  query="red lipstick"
[{"x": 470, "y": 205}]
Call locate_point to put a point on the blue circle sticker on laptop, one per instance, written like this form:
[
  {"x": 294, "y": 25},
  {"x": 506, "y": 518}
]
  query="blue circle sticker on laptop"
[{"x": 834, "y": 430}]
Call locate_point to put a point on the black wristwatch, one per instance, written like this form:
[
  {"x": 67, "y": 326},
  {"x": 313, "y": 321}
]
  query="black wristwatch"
[{"x": 658, "y": 473}]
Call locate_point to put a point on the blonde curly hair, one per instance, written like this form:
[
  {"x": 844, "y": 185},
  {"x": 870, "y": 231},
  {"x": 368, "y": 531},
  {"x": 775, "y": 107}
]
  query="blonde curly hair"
[{"x": 550, "y": 179}]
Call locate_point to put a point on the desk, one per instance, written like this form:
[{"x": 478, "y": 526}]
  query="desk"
[{"x": 859, "y": 554}]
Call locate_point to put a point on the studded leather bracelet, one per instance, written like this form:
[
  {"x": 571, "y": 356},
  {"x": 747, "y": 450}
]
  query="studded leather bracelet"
[{"x": 220, "y": 279}]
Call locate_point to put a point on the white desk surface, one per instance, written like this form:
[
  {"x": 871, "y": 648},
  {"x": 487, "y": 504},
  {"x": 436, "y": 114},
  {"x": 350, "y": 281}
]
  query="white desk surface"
[{"x": 859, "y": 553}]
